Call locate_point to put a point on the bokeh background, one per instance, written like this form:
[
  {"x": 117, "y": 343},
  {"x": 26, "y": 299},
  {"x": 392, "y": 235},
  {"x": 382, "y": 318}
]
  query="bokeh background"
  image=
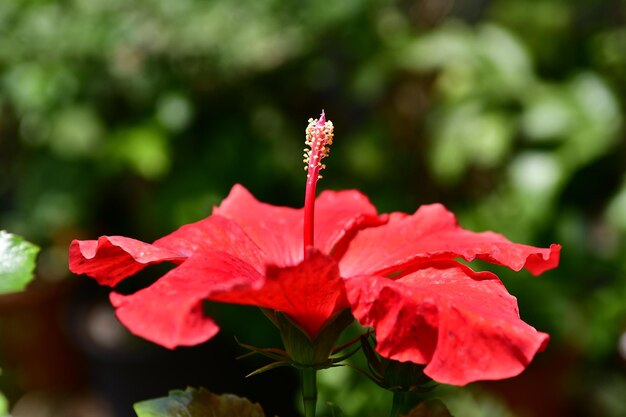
[{"x": 134, "y": 118}]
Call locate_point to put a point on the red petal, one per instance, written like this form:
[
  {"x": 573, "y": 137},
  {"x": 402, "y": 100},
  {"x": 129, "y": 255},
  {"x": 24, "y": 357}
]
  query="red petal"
[
  {"x": 169, "y": 312},
  {"x": 339, "y": 215},
  {"x": 310, "y": 292},
  {"x": 276, "y": 230},
  {"x": 279, "y": 230},
  {"x": 214, "y": 233},
  {"x": 462, "y": 323},
  {"x": 110, "y": 259},
  {"x": 433, "y": 233}
]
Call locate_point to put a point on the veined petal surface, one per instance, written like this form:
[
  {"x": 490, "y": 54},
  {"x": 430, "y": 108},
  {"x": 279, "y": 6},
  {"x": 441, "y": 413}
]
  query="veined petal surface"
[
  {"x": 170, "y": 313},
  {"x": 462, "y": 324},
  {"x": 278, "y": 231},
  {"x": 110, "y": 259},
  {"x": 433, "y": 233},
  {"x": 310, "y": 292}
]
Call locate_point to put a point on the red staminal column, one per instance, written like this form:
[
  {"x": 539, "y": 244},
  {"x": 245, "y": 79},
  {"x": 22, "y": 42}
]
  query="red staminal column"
[{"x": 319, "y": 135}]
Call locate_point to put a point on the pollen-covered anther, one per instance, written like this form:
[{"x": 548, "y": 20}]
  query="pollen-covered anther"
[{"x": 318, "y": 137}]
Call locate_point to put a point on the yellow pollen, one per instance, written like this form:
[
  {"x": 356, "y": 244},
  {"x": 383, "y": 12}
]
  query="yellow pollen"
[{"x": 317, "y": 139}]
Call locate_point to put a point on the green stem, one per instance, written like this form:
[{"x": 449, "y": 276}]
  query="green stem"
[
  {"x": 399, "y": 403},
  {"x": 309, "y": 391}
]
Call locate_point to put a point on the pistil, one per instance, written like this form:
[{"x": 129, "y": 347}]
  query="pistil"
[{"x": 319, "y": 135}]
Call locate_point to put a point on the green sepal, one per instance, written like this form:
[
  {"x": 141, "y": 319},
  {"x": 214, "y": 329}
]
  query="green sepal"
[
  {"x": 269, "y": 367},
  {"x": 315, "y": 353},
  {"x": 198, "y": 403},
  {"x": 272, "y": 353},
  {"x": 17, "y": 262},
  {"x": 393, "y": 375},
  {"x": 406, "y": 377}
]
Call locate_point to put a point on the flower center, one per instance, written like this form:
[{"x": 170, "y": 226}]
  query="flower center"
[{"x": 319, "y": 134}]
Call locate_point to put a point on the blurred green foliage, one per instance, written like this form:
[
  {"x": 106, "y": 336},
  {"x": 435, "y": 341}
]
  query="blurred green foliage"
[
  {"x": 17, "y": 262},
  {"x": 136, "y": 117}
]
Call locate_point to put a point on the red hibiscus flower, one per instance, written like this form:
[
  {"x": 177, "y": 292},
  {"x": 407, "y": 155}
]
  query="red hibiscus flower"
[{"x": 398, "y": 273}]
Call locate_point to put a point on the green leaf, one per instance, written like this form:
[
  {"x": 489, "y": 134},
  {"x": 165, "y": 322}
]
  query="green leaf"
[
  {"x": 17, "y": 262},
  {"x": 198, "y": 403},
  {"x": 430, "y": 408}
]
